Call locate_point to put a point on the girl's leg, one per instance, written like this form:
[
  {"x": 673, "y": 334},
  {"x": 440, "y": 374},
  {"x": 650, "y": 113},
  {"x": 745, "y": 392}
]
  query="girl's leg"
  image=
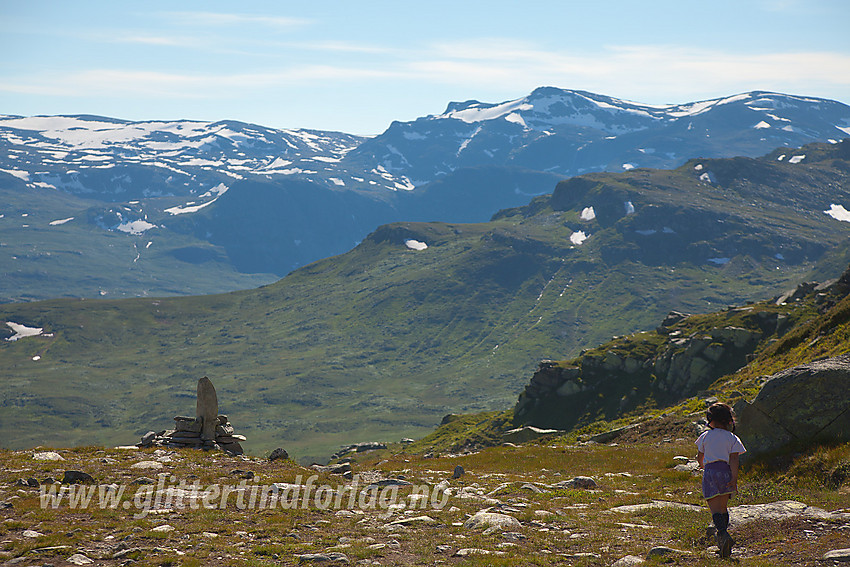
[{"x": 718, "y": 504}]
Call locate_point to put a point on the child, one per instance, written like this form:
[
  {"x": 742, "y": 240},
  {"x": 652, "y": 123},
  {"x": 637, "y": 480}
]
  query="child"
[{"x": 718, "y": 454}]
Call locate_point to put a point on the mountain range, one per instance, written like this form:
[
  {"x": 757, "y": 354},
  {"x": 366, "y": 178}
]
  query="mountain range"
[
  {"x": 93, "y": 206},
  {"x": 422, "y": 319}
]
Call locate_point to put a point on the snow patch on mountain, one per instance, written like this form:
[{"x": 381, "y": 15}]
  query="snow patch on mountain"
[
  {"x": 215, "y": 193},
  {"x": 838, "y": 212},
  {"x": 22, "y": 331},
  {"x": 578, "y": 237},
  {"x": 415, "y": 244},
  {"x": 135, "y": 227},
  {"x": 60, "y": 221},
  {"x": 22, "y": 175},
  {"x": 587, "y": 214},
  {"x": 479, "y": 112}
]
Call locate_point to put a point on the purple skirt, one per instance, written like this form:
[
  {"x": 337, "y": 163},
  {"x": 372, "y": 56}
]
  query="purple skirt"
[{"x": 715, "y": 479}]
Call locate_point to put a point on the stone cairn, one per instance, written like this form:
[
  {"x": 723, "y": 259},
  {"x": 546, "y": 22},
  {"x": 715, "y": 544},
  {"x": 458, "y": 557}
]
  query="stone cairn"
[{"x": 207, "y": 430}]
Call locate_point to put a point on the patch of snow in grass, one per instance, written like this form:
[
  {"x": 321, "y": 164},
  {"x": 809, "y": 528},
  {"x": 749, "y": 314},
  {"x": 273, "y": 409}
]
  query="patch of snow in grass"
[
  {"x": 135, "y": 227},
  {"x": 797, "y": 159},
  {"x": 62, "y": 221},
  {"x": 22, "y": 331},
  {"x": 588, "y": 214},
  {"x": 578, "y": 237},
  {"x": 761, "y": 125},
  {"x": 628, "y": 166},
  {"x": 415, "y": 244},
  {"x": 780, "y": 158},
  {"x": 629, "y": 206},
  {"x": 337, "y": 181},
  {"x": 838, "y": 212},
  {"x": 708, "y": 177},
  {"x": 698, "y": 167}
]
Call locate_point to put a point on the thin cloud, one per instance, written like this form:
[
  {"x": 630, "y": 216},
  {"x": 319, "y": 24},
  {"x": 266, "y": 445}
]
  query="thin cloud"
[
  {"x": 156, "y": 40},
  {"x": 653, "y": 74},
  {"x": 227, "y": 19},
  {"x": 118, "y": 82},
  {"x": 339, "y": 46},
  {"x": 644, "y": 70}
]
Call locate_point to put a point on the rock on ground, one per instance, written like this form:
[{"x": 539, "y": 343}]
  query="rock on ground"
[
  {"x": 798, "y": 406},
  {"x": 79, "y": 559},
  {"x": 628, "y": 560},
  {"x": 842, "y": 555},
  {"x": 492, "y": 519},
  {"x": 47, "y": 456},
  {"x": 332, "y": 557}
]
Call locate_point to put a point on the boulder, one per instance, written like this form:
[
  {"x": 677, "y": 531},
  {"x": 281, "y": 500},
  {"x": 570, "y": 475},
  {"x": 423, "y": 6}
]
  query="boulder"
[
  {"x": 797, "y": 407},
  {"x": 492, "y": 519},
  {"x": 47, "y": 456},
  {"x": 279, "y": 453},
  {"x": 842, "y": 555},
  {"x": 579, "y": 482},
  {"x": 73, "y": 477}
]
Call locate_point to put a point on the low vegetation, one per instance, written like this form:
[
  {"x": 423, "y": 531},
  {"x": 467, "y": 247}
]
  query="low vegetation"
[{"x": 558, "y": 525}]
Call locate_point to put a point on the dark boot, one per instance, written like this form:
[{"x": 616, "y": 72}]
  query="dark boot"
[{"x": 726, "y": 541}]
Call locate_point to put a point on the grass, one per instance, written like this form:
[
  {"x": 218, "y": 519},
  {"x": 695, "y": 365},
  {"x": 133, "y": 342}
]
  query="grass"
[{"x": 556, "y": 524}]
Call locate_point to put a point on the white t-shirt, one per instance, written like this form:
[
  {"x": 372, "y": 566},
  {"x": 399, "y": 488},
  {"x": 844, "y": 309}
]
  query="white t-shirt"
[{"x": 717, "y": 444}]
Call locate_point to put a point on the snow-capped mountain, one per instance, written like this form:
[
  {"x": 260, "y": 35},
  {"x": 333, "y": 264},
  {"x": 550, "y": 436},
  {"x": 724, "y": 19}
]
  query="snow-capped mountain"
[
  {"x": 573, "y": 132},
  {"x": 246, "y": 199},
  {"x": 117, "y": 160}
]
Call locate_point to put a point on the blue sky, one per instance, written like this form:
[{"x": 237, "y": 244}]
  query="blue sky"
[{"x": 357, "y": 66}]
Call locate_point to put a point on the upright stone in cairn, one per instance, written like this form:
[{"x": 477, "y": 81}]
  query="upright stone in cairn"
[
  {"x": 206, "y": 430},
  {"x": 207, "y": 409}
]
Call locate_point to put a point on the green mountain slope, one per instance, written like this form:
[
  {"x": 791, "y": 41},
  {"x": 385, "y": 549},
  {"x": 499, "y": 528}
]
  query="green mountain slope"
[
  {"x": 381, "y": 342},
  {"x": 52, "y": 246}
]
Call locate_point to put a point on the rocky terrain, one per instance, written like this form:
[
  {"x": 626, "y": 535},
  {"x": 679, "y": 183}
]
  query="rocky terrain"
[{"x": 552, "y": 502}]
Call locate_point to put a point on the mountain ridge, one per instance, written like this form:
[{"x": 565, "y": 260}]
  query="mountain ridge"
[{"x": 164, "y": 185}]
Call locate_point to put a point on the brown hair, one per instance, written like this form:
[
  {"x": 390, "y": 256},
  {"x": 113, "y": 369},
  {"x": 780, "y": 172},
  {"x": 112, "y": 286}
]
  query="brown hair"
[{"x": 722, "y": 415}]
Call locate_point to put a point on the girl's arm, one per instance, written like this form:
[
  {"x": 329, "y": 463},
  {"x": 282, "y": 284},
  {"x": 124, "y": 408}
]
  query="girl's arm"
[
  {"x": 733, "y": 464},
  {"x": 700, "y": 457}
]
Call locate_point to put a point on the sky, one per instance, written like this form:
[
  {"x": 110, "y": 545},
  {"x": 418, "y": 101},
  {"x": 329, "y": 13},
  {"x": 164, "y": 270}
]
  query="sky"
[{"x": 357, "y": 66}]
